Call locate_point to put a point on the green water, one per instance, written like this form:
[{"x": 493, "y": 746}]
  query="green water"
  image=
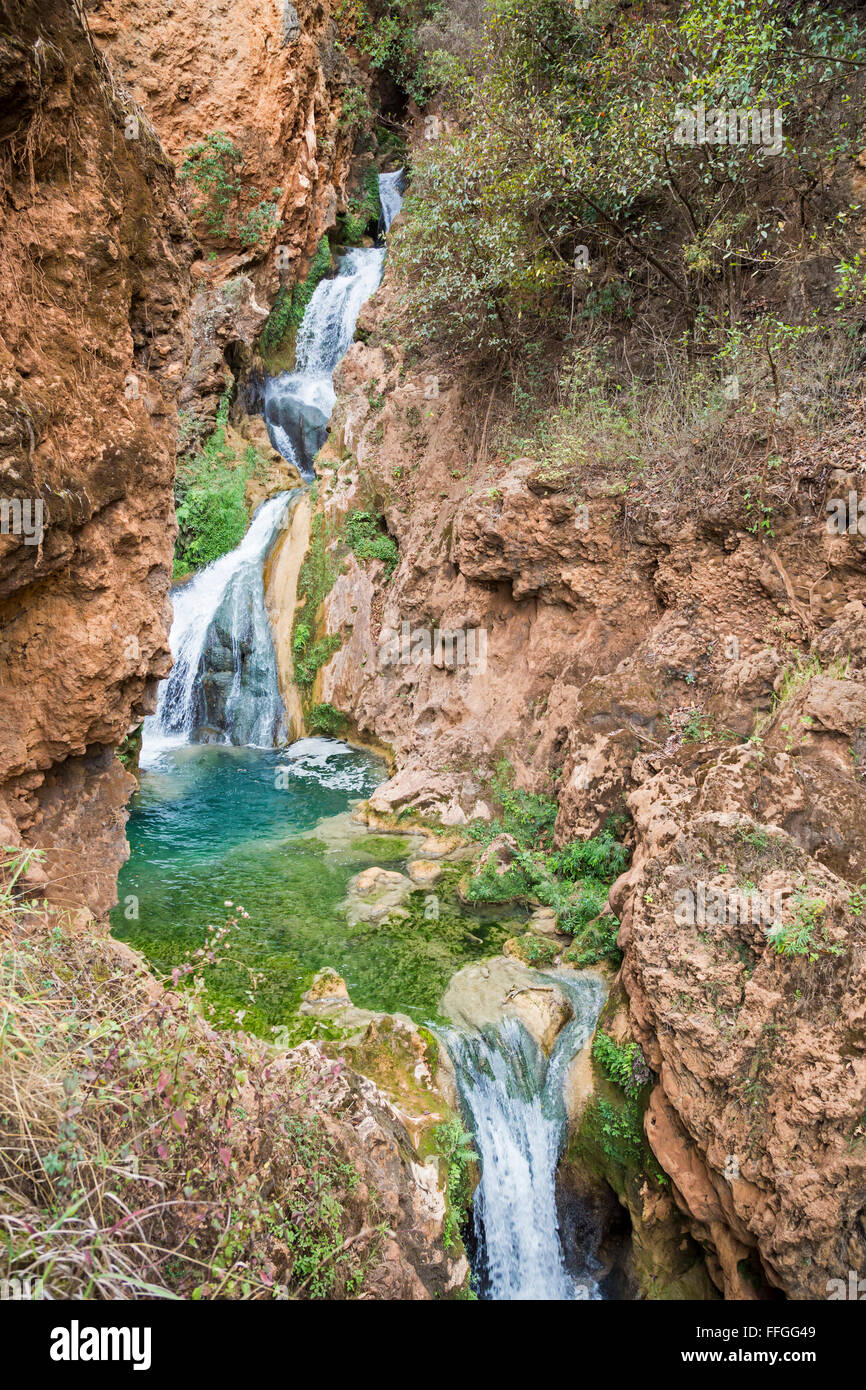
[{"x": 211, "y": 824}]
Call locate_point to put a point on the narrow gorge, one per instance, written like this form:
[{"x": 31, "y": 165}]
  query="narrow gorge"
[{"x": 433, "y": 704}]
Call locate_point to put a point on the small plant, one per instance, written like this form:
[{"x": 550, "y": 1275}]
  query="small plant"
[
  {"x": 213, "y": 167},
  {"x": 367, "y": 540},
  {"x": 798, "y": 937},
  {"x": 624, "y": 1066},
  {"x": 325, "y": 719},
  {"x": 456, "y": 1147}
]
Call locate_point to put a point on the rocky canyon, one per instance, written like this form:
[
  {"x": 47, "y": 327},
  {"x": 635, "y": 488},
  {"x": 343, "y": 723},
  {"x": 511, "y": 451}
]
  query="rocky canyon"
[{"x": 432, "y": 556}]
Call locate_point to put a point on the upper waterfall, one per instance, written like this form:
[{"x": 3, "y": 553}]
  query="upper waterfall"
[
  {"x": 390, "y": 196},
  {"x": 298, "y": 404}
]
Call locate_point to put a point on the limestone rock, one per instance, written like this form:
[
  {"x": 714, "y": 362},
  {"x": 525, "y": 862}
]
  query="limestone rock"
[{"x": 424, "y": 872}]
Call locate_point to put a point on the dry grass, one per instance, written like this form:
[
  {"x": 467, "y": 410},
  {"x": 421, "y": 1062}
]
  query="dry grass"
[
  {"x": 672, "y": 432},
  {"x": 143, "y": 1155}
]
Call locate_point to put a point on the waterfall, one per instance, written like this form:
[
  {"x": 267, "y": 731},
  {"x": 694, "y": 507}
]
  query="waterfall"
[
  {"x": 223, "y": 684},
  {"x": 390, "y": 196},
  {"x": 513, "y": 1099},
  {"x": 298, "y": 404}
]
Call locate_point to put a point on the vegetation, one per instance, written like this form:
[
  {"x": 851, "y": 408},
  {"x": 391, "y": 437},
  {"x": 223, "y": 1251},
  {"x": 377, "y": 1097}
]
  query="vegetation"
[
  {"x": 565, "y": 237},
  {"x": 226, "y": 207},
  {"x": 210, "y": 487},
  {"x": 290, "y": 306},
  {"x": 316, "y": 579},
  {"x": 570, "y": 135},
  {"x": 365, "y": 209},
  {"x": 369, "y": 541},
  {"x": 388, "y": 33},
  {"x": 624, "y": 1066},
  {"x": 131, "y": 1163},
  {"x": 806, "y": 934},
  {"x": 574, "y": 880},
  {"x": 456, "y": 1147},
  {"x": 325, "y": 719}
]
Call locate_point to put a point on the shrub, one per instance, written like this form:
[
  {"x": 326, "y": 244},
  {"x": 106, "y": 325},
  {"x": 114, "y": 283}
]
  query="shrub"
[
  {"x": 456, "y": 1147},
  {"x": 568, "y": 137},
  {"x": 601, "y": 857},
  {"x": 367, "y": 540},
  {"x": 799, "y": 936},
  {"x": 131, "y": 1137},
  {"x": 210, "y": 488},
  {"x": 325, "y": 719},
  {"x": 214, "y": 168},
  {"x": 624, "y": 1066}
]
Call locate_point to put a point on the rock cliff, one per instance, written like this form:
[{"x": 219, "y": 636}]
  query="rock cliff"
[
  {"x": 668, "y": 659},
  {"x": 95, "y": 255}
]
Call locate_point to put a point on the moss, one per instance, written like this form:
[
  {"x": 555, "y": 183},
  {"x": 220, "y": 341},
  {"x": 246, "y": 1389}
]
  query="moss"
[
  {"x": 383, "y": 848},
  {"x": 210, "y": 492},
  {"x": 532, "y": 950}
]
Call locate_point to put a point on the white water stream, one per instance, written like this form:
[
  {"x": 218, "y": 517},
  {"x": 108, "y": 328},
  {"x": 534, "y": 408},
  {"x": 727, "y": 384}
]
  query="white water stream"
[{"x": 513, "y": 1096}]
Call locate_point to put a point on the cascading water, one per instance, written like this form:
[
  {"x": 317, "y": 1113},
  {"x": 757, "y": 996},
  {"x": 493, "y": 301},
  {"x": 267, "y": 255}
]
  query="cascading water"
[
  {"x": 223, "y": 684},
  {"x": 513, "y": 1099},
  {"x": 298, "y": 404},
  {"x": 390, "y": 196}
]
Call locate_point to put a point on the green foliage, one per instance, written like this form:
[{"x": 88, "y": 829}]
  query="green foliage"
[
  {"x": 574, "y": 880},
  {"x": 594, "y": 942},
  {"x": 418, "y": 954},
  {"x": 316, "y": 579},
  {"x": 617, "y": 1130},
  {"x": 528, "y": 817},
  {"x": 456, "y": 1147},
  {"x": 534, "y": 950},
  {"x": 132, "y": 1140},
  {"x": 214, "y": 168},
  {"x": 325, "y": 719},
  {"x": 365, "y": 209},
  {"x": 209, "y": 494},
  {"x": 624, "y": 1066},
  {"x": 355, "y": 108},
  {"x": 569, "y": 135},
  {"x": 800, "y": 937},
  {"x": 314, "y": 657},
  {"x": 130, "y": 748},
  {"x": 368, "y": 541},
  {"x": 387, "y": 33},
  {"x": 601, "y": 857}
]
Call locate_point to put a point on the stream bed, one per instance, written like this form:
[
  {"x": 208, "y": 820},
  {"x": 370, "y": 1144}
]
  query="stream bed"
[{"x": 270, "y": 829}]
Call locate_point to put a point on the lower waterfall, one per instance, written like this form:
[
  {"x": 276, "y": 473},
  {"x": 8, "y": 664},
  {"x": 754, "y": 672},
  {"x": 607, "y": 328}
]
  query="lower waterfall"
[{"x": 513, "y": 1099}]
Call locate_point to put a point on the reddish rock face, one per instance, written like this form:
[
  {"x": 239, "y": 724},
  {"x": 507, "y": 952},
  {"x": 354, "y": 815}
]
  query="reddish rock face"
[
  {"x": 263, "y": 72},
  {"x": 632, "y": 654},
  {"x": 95, "y": 257}
]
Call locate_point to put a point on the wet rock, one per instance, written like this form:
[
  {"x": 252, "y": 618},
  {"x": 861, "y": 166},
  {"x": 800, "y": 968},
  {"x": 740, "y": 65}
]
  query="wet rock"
[
  {"x": 424, "y": 872},
  {"x": 486, "y": 992},
  {"x": 375, "y": 893}
]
